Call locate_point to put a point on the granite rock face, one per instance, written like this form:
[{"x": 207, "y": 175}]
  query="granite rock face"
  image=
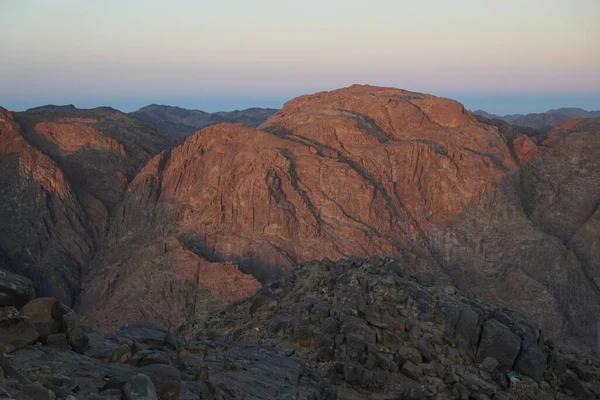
[
  {"x": 63, "y": 171},
  {"x": 100, "y": 213},
  {"x": 360, "y": 171}
]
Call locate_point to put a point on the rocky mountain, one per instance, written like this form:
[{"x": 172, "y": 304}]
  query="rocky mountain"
[
  {"x": 104, "y": 214},
  {"x": 63, "y": 172},
  {"x": 351, "y": 329},
  {"x": 359, "y": 171},
  {"x": 542, "y": 120},
  {"x": 181, "y": 122}
]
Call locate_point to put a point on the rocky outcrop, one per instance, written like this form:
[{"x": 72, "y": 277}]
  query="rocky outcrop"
[
  {"x": 163, "y": 282},
  {"x": 361, "y": 171},
  {"x": 351, "y": 329},
  {"x": 63, "y": 171},
  {"x": 45, "y": 234},
  {"x": 373, "y": 330}
]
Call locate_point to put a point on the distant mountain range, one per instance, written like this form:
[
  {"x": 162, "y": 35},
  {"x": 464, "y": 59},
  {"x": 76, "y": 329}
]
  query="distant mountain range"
[
  {"x": 542, "y": 120},
  {"x": 182, "y": 122}
]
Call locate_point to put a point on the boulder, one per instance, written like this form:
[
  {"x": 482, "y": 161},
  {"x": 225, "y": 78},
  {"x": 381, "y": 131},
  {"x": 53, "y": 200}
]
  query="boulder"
[
  {"x": 17, "y": 331},
  {"x": 78, "y": 338},
  {"x": 531, "y": 361},
  {"x": 139, "y": 387},
  {"x": 149, "y": 357},
  {"x": 466, "y": 328},
  {"x": 59, "y": 341},
  {"x": 489, "y": 364},
  {"x": 42, "y": 312},
  {"x": 15, "y": 290},
  {"x": 412, "y": 371},
  {"x": 499, "y": 342},
  {"x": 38, "y": 392},
  {"x": 166, "y": 379},
  {"x": 144, "y": 332}
]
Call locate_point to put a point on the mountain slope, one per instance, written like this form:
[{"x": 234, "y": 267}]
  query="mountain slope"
[
  {"x": 542, "y": 120},
  {"x": 361, "y": 170},
  {"x": 64, "y": 170},
  {"x": 181, "y": 122}
]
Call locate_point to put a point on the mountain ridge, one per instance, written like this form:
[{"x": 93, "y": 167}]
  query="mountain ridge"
[
  {"x": 182, "y": 122},
  {"x": 361, "y": 170},
  {"x": 542, "y": 120}
]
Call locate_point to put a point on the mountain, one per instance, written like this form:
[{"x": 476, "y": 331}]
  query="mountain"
[
  {"x": 361, "y": 171},
  {"x": 353, "y": 329},
  {"x": 181, "y": 122},
  {"x": 542, "y": 120},
  {"x": 63, "y": 171},
  {"x": 106, "y": 213}
]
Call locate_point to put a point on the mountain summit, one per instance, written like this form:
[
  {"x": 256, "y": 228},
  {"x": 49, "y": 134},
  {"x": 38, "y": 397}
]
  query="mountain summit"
[{"x": 360, "y": 171}]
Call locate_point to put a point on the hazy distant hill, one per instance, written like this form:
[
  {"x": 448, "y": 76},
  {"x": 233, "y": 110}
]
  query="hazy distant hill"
[
  {"x": 542, "y": 120},
  {"x": 182, "y": 122}
]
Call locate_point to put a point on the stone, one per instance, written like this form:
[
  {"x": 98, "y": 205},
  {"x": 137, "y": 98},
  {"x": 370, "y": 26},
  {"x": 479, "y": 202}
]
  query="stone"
[
  {"x": 144, "y": 332},
  {"x": 166, "y": 379},
  {"x": 139, "y": 387},
  {"x": 150, "y": 356},
  {"x": 8, "y": 312},
  {"x": 122, "y": 354},
  {"x": 583, "y": 372},
  {"x": 489, "y": 364},
  {"x": 499, "y": 342},
  {"x": 78, "y": 338},
  {"x": 59, "y": 341},
  {"x": 17, "y": 331},
  {"x": 427, "y": 351},
  {"x": 264, "y": 299},
  {"x": 38, "y": 392},
  {"x": 42, "y": 312},
  {"x": 531, "y": 360},
  {"x": 577, "y": 387},
  {"x": 466, "y": 327},
  {"x": 15, "y": 290},
  {"x": 411, "y": 370}
]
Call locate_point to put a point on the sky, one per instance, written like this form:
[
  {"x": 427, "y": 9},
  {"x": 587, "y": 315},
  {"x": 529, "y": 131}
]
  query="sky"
[{"x": 501, "y": 56}]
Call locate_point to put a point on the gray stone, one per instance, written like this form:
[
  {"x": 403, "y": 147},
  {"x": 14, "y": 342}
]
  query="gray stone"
[
  {"x": 78, "y": 339},
  {"x": 144, "y": 332},
  {"x": 499, "y": 342},
  {"x": 38, "y": 392},
  {"x": 150, "y": 356},
  {"x": 489, "y": 364},
  {"x": 139, "y": 387},
  {"x": 59, "y": 341},
  {"x": 17, "y": 331},
  {"x": 466, "y": 328},
  {"x": 531, "y": 361},
  {"x": 583, "y": 372},
  {"x": 412, "y": 371},
  {"x": 166, "y": 379},
  {"x": 15, "y": 290}
]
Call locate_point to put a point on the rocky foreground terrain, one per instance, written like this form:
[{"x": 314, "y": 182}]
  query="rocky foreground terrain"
[
  {"x": 349, "y": 329},
  {"x": 121, "y": 224}
]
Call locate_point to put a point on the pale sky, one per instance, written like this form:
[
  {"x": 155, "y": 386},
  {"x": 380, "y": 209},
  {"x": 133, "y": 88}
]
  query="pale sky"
[{"x": 502, "y": 56}]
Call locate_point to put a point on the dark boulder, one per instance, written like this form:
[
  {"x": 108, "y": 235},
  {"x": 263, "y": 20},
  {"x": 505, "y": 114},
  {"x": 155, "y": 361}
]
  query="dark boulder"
[
  {"x": 499, "y": 342},
  {"x": 15, "y": 290},
  {"x": 139, "y": 387}
]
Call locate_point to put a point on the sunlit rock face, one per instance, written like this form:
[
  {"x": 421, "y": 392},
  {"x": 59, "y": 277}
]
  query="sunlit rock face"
[
  {"x": 364, "y": 170},
  {"x": 171, "y": 234}
]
